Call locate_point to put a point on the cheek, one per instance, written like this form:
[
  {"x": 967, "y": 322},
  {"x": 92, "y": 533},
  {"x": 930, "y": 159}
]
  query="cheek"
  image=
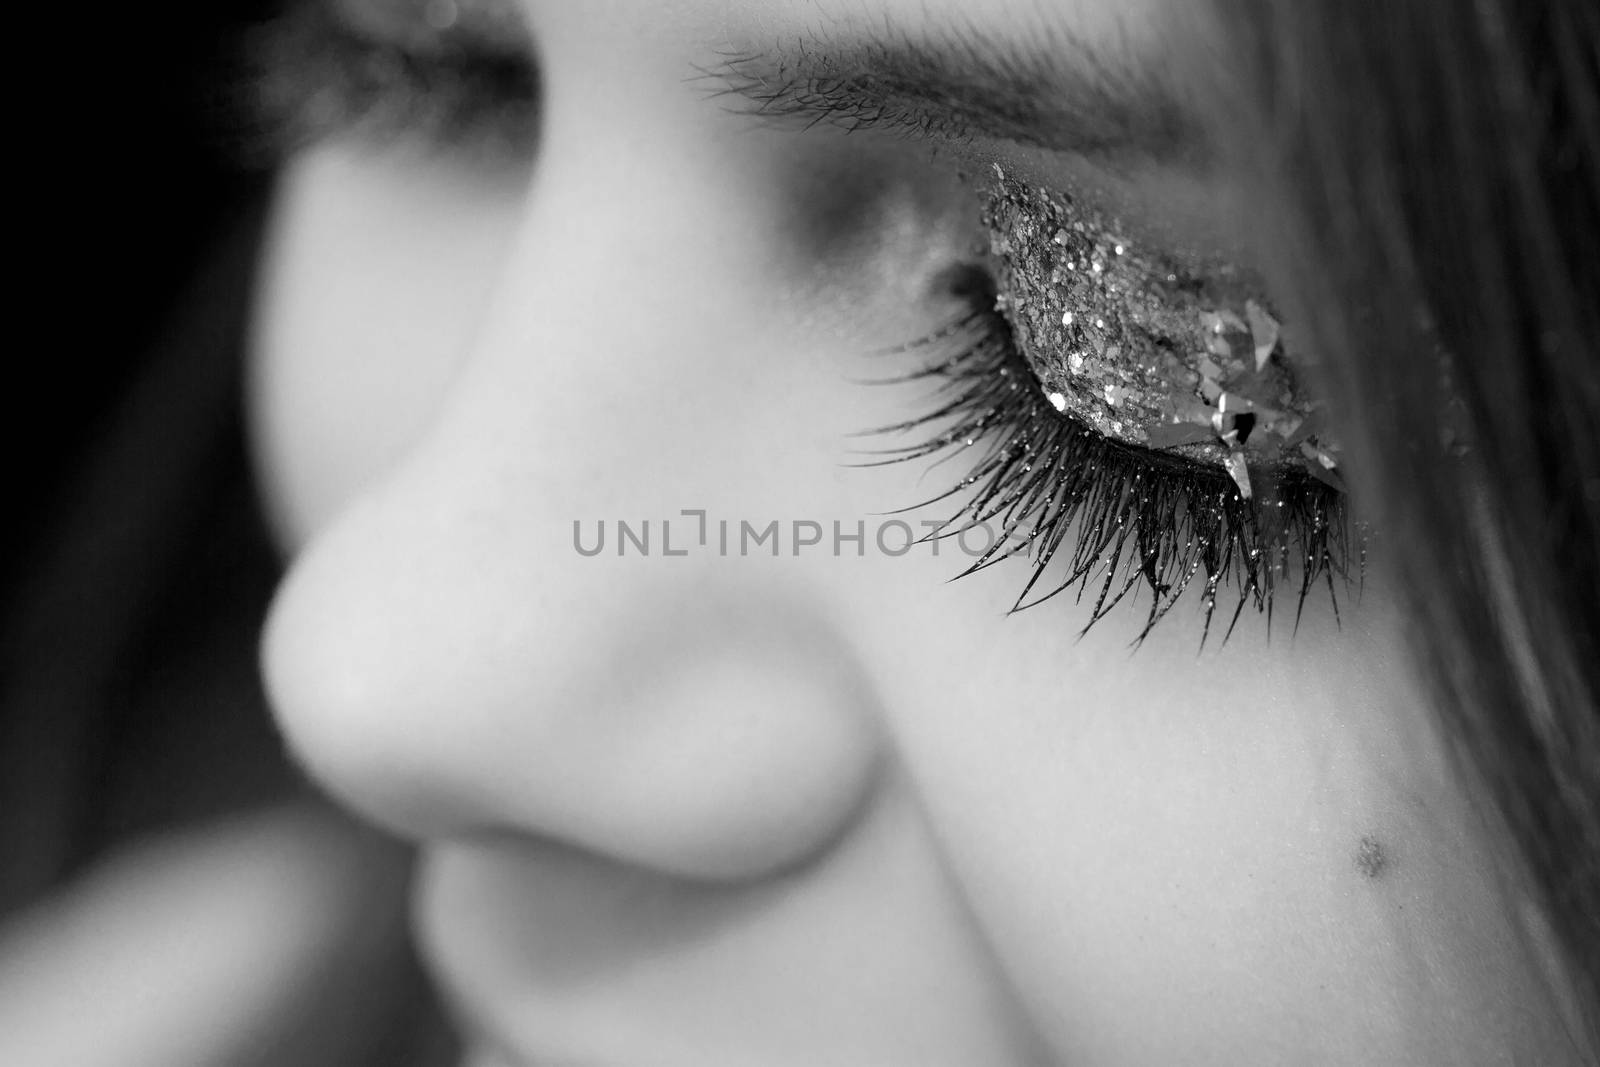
[
  {"x": 1256, "y": 839},
  {"x": 377, "y": 272}
]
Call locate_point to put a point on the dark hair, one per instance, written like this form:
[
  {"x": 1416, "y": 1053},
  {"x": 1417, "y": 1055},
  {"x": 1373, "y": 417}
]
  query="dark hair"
[{"x": 1440, "y": 167}]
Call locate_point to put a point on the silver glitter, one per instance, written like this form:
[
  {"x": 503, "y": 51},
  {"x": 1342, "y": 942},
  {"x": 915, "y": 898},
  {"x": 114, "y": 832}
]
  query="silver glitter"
[
  {"x": 1182, "y": 360},
  {"x": 1234, "y": 461},
  {"x": 1264, "y": 331}
]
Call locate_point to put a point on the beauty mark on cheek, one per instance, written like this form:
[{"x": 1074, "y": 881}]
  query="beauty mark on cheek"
[{"x": 1371, "y": 859}]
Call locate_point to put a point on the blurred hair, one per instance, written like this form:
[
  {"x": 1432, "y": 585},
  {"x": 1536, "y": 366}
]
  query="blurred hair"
[{"x": 1439, "y": 167}]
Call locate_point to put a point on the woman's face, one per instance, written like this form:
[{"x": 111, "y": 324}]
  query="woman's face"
[{"x": 695, "y": 805}]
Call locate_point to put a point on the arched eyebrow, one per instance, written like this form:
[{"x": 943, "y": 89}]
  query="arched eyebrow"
[{"x": 1054, "y": 91}]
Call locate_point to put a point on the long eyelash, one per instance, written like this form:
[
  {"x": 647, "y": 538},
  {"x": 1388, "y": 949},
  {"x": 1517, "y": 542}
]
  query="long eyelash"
[
  {"x": 1100, "y": 516},
  {"x": 306, "y": 77}
]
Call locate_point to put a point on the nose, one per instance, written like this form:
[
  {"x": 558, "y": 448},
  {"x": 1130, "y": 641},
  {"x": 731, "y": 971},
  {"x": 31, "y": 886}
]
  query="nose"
[
  {"x": 442, "y": 659},
  {"x": 715, "y": 736}
]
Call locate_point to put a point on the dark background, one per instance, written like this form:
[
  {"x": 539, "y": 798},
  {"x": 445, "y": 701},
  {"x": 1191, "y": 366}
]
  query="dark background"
[
  {"x": 134, "y": 565},
  {"x": 135, "y": 568},
  {"x": 135, "y": 180}
]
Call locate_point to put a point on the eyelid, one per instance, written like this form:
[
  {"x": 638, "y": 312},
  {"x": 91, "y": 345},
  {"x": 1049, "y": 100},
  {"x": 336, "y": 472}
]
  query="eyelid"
[{"x": 1148, "y": 351}]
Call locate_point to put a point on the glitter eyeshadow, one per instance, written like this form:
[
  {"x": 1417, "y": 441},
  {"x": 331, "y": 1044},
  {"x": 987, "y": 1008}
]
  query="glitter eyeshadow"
[{"x": 1145, "y": 349}]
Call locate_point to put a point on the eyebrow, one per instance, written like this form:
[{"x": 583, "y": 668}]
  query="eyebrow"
[{"x": 1058, "y": 92}]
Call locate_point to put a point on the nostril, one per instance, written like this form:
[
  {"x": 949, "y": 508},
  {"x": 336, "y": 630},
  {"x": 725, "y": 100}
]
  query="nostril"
[{"x": 728, "y": 763}]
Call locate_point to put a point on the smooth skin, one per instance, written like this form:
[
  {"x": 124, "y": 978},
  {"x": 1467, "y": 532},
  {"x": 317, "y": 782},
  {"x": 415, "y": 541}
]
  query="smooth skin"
[{"x": 816, "y": 809}]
